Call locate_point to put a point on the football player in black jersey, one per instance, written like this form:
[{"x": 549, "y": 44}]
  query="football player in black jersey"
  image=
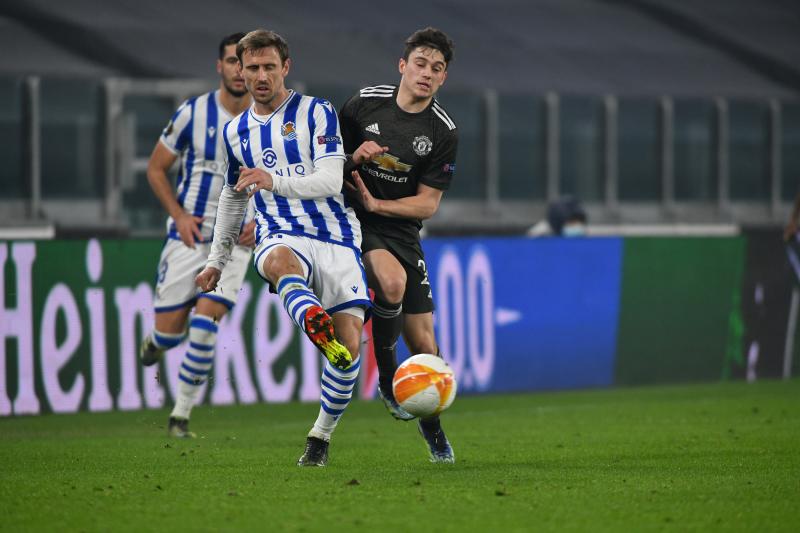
[{"x": 402, "y": 148}]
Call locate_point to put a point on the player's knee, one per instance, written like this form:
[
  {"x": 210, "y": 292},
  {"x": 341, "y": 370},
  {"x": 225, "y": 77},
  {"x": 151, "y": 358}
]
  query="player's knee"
[
  {"x": 280, "y": 262},
  {"x": 210, "y": 308},
  {"x": 172, "y": 322},
  {"x": 393, "y": 288},
  {"x": 274, "y": 264}
]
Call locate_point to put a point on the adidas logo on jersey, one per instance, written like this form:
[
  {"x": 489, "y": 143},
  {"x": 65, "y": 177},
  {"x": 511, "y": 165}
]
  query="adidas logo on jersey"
[{"x": 373, "y": 128}]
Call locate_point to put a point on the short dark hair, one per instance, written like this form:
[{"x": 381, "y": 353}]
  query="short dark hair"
[
  {"x": 563, "y": 210},
  {"x": 258, "y": 39},
  {"x": 233, "y": 38},
  {"x": 430, "y": 38}
]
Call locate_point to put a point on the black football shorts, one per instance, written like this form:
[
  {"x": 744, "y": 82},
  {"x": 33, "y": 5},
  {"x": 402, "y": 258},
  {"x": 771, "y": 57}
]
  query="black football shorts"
[{"x": 418, "y": 297}]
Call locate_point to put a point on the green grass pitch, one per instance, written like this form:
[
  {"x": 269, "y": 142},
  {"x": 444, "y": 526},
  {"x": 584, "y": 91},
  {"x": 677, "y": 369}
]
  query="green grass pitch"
[{"x": 689, "y": 458}]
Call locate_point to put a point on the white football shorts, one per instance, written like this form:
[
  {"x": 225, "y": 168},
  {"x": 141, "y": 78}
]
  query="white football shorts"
[
  {"x": 179, "y": 265},
  {"x": 334, "y": 272}
]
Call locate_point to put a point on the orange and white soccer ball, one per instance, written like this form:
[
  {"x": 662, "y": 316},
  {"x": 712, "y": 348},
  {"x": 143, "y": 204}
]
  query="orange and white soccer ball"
[{"x": 424, "y": 385}]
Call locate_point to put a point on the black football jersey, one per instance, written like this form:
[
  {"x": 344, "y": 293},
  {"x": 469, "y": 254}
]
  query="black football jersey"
[{"x": 422, "y": 149}]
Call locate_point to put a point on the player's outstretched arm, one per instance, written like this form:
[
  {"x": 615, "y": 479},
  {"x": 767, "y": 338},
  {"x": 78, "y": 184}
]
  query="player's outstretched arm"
[
  {"x": 421, "y": 206},
  {"x": 230, "y": 211},
  {"x": 161, "y": 160},
  {"x": 325, "y": 181}
]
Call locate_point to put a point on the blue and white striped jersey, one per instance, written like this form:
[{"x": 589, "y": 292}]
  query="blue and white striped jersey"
[
  {"x": 289, "y": 142},
  {"x": 194, "y": 134}
]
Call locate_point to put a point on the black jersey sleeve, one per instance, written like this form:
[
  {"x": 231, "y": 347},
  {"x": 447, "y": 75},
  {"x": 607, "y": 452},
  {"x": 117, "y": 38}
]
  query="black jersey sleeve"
[
  {"x": 438, "y": 172},
  {"x": 348, "y": 121}
]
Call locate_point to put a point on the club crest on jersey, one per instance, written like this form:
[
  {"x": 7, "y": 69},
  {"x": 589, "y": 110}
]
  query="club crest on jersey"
[
  {"x": 288, "y": 132},
  {"x": 269, "y": 158},
  {"x": 422, "y": 145},
  {"x": 211, "y": 131}
]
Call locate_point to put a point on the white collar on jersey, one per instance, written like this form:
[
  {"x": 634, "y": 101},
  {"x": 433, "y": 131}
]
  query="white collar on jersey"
[{"x": 265, "y": 119}]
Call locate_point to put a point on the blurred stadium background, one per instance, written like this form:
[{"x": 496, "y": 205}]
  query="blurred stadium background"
[
  {"x": 649, "y": 111},
  {"x": 663, "y": 117}
]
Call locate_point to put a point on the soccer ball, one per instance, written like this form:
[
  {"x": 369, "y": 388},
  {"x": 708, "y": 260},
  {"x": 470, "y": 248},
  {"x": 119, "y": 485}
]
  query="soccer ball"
[{"x": 424, "y": 385}]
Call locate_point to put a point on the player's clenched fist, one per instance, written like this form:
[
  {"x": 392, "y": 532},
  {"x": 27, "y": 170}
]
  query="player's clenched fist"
[
  {"x": 252, "y": 180},
  {"x": 207, "y": 279},
  {"x": 367, "y": 151}
]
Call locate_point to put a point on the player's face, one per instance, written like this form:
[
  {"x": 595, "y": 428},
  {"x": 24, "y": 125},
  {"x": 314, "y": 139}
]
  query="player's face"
[
  {"x": 424, "y": 72},
  {"x": 264, "y": 75},
  {"x": 230, "y": 73}
]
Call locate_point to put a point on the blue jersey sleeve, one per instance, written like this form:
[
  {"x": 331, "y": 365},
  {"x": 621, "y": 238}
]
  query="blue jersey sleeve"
[
  {"x": 326, "y": 137},
  {"x": 178, "y": 132}
]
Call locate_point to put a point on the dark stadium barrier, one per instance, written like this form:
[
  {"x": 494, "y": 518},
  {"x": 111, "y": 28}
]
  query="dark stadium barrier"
[
  {"x": 769, "y": 309},
  {"x": 630, "y": 158},
  {"x": 513, "y": 314}
]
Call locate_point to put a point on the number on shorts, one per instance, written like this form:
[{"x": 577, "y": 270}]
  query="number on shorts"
[{"x": 424, "y": 269}]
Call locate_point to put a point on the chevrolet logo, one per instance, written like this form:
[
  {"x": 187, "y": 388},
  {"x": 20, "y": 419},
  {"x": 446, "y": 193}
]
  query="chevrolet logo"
[{"x": 391, "y": 163}]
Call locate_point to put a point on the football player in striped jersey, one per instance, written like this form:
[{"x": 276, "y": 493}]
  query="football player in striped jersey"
[
  {"x": 402, "y": 146},
  {"x": 194, "y": 136},
  {"x": 286, "y": 152}
]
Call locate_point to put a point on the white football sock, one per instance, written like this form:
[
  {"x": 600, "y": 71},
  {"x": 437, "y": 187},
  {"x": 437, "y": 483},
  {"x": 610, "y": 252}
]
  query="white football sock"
[
  {"x": 296, "y": 297},
  {"x": 196, "y": 365},
  {"x": 166, "y": 341},
  {"x": 336, "y": 391}
]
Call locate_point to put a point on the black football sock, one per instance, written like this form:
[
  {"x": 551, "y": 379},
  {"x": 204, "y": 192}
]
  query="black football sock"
[
  {"x": 387, "y": 322},
  {"x": 431, "y": 425}
]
